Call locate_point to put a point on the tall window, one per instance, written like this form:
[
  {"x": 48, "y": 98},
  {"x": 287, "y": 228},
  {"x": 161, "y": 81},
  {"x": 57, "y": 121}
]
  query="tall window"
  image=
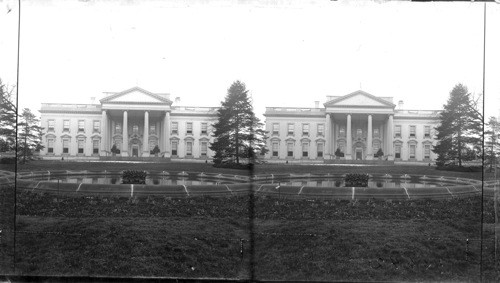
[
  {"x": 412, "y": 131},
  {"x": 51, "y": 126},
  {"x": 412, "y": 151},
  {"x": 95, "y": 146},
  {"x": 174, "y": 148},
  {"x": 320, "y": 149},
  {"x": 376, "y": 146},
  {"x": 359, "y": 133},
  {"x": 342, "y": 132},
  {"x": 376, "y": 133},
  {"x": 189, "y": 128},
  {"x": 289, "y": 149},
  {"x": 96, "y": 128},
  {"x": 204, "y": 128},
  {"x": 305, "y": 129},
  {"x": 341, "y": 146},
  {"x": 118, "y": 146},
  {"x": 305, "y": 149},
  {"x": 427, "y": 131},
  {"x": 50, "y": 146},
  {"x": 204, "y": 147},
  {"x": 81, "y": 146},
  {"x": 152, "y": 145},
  {"x": 81, "y": 126},
  {"x": 65, "y": 125},
  {"x": 275, "y": 149},
  {"x": 65, "y": 146},
  {"x": 398, "y": 151},
  {"x": 290, "y": 129},
  {"x": 175, "y": 128},
  {"x": 427, "y": 151},
  {"x": 321, "y": 129},
  {"x": 118, "y": 128},
  {"x": 397, "y": 131},
  {"x": 276, "y": 128},
  {"x": 135, "y": 129},
  {"x": 152, "y": 129},
  {"x": 189, "y": 148}
]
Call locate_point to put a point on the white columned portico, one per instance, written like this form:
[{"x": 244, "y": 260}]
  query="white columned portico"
[
  {"x": 328, "y": 142},
  {"x": 390, "y": 143},
  {"x": 104, "y": 132},
  {"x": 167, "y": 135},
  {"x": 124, "y": 150},
  {"x": 348, "y": 154},
  {"x": 145, "y": 142},
  {"x": 369, "y": 146}
]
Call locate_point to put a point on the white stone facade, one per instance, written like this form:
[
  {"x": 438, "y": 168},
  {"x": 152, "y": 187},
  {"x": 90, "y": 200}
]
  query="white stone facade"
[{"x": 357, "y": 124}]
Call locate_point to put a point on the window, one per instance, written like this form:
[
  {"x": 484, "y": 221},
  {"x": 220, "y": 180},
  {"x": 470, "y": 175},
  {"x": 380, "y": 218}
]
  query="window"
[
  {"x": 341, "y": 146},
  {"x": 189, "y": 148},
  {"x": 135, "y": 129},
  {"x": 152, "y": 145},
  {"x": 305, "y": 129},
  {"x": 427, "y": 132},
  {"x": 321, "y": 129},
  {"x": 275, "y": 149},
  {"x": 118, "y": 128},
  {"x": 174, "y": 148},
  {"x": 376, "y": 146},
  {"x": 95, "y": 146},
  {"x": 204, "y": 128},
  {"x": 81, "y": 126},
  {"x": 359, "y": 133},
  {"x": 397, "y": 131},
  {"x": 320, "y": 150},
  {"x": 204, "y": 146},
  {"x": 50, "y": 146},
  {"x": 66, "y": 126},
  {"x": 305, "y": 149},
  {"x": 398, "y": 151},
  {"x": 289, "y": 149},
  {"x": 342, "y": 132},
  {"x": 290, "y": 129},
  {"x": 118, "y": 144},
  {"x": 152, "y": 129},
  {"x": 65, "y": 146},
  {"x": 412, "y": 151},
  {"x": 189, "y": 128},
  {"x": 51, "y": 126},
  {"x": 412, "y": 131},
  {"x": 81, "y": 146},
  {"x": 427, "y": 151},
  {"x": 276, "y": 129},
  {"x": 96, "y": 128},
  {"x": 376, "y": 133},
  {"x": 175, "y": 129}
]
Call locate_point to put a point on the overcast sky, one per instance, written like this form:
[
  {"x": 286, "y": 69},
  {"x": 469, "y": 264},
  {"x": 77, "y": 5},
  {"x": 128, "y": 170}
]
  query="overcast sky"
[{"x": 288, "y": 53}]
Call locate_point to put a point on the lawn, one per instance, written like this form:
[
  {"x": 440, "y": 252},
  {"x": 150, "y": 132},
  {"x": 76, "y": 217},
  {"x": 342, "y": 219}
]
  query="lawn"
[{"x": 204, "y": 237}]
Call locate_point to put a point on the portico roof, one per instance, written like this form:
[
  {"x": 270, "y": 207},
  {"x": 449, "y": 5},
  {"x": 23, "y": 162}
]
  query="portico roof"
[
  {"x": 136, "y": 95},
  {"x": 360, "y": 102}
]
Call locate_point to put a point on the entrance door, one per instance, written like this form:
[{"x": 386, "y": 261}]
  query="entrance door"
[
  {"x": 359, "y": 153},
  {"x": 135, "y": 151}
]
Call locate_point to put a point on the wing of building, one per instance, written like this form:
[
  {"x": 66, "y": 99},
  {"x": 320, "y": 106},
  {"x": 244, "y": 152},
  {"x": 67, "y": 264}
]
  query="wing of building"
[
  {"x": 134, "y": 120},
  {"x": 357, "y": 126}
]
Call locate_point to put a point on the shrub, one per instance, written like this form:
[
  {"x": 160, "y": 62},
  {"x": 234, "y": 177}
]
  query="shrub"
[
  {"x": 134, "y": 177},
  {"x": 155, "y": 150},
  {"x": 356, "y": 180},
  {"x": 115, "y": 150},
  {"x": 232, "y": 165},
  {"x": 7, "y": 160},
  {"x": 379, "y": 153},
  {"x": 339, "y": 153}
]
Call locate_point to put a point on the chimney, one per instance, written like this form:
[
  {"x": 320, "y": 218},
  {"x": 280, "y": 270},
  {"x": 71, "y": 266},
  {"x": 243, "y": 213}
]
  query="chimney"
[
  {"x": 316, "y": 104},
  {"x": 177, "y": 100},
  {"x": 400, "y": 104},
  {"x": 92, "y": 100}
]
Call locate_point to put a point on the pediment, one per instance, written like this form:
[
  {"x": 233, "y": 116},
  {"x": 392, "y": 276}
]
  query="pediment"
[
  {"x": 135, "y": 95},
  {"x": 359, "y": 98}
]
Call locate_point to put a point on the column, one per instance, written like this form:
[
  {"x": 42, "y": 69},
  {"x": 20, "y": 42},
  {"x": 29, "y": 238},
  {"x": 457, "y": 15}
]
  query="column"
[
  {"x": 348, "y": 152},
  {"x": 328, "y": 136},
  {"x": 390, "y": 144},
  {"x": 332, "y": 137},
  {"x": 104, "y": 132},
  {"x": 167, "y": 135},
  {"x": 145, "y": 140},
  {"x": 369, "y": 146},
  {"x": 124, "y": 150}
]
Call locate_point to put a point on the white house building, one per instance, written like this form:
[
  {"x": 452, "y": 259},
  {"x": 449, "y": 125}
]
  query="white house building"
[
  {"x": 357, "y": 125},
  {"x": 135, "y": 120}
]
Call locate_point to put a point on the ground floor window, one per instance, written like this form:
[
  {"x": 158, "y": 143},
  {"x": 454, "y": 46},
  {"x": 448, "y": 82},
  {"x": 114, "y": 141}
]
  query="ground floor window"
[
  {"x": 95, "y": 146},
  {"x": 320, "y": 150},
  {"x": 204, "y": 146},
  {"x": 412, "y": 151},
  {"x": 189, "y": 148},
  {"x": 305, "y": 149},
  {"x": 289, "y": 149},
  {"x": 152, "y": 145},
  {"x": 427, "y": 151},
  {"x": 275, "y": 149},
  {"x": 398, "y": 151},
  {"x": 174, "y": 148},
  {"x": 65, "y": 146},
  {"x": 81, "y": 146},
  {"x": 50, "y": 146}
]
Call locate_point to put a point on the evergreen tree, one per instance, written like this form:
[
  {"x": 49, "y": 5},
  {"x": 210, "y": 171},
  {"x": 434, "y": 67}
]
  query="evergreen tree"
[
  {"x": 29, "y": 134},
  {"x": 459, "y": 134},
  {"x": 238, "y": 132},
  {"x": 492, "y": 143},
  {"x": 7, "y": 119}
]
